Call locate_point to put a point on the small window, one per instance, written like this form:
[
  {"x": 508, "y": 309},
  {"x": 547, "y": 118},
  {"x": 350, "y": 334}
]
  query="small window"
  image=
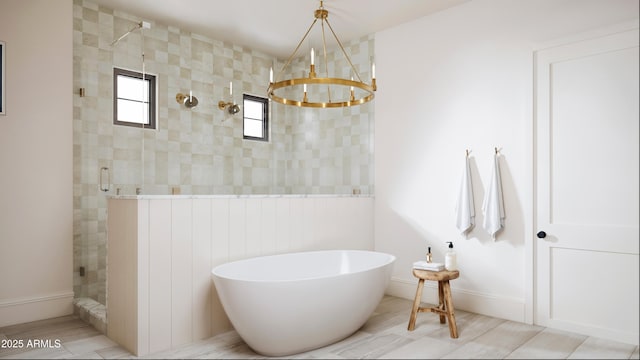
[
  {"x": 134, "y": 99},
  {"x": 255, "y": 118}
]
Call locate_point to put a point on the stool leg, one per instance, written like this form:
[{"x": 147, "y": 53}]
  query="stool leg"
[
  {"x": 441, "y": 302},
  {"x": 453, "y": 328},
  {"x": 416, "y": 305}
]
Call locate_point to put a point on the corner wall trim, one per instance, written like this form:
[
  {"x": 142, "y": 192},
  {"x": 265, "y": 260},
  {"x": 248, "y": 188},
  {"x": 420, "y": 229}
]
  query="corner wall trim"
[
  {"x": 472, "y": 301},
  {"x": 32, "y": 308},
  {"x": 35, "y": 299}
]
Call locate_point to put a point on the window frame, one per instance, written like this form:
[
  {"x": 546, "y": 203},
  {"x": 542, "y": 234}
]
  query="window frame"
[
  {"x": 265, "y": 117},
  {"x": 151, "y": 81}
]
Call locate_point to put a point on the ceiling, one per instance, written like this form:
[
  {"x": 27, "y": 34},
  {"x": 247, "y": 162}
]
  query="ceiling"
[{"x": 275, "y": 27}]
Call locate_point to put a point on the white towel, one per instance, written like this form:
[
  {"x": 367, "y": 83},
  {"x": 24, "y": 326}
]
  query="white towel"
[
  {"x": 423, "y": 265},
  {"x": 493, "y": 205},
  {"x": 465, "y": 212}
]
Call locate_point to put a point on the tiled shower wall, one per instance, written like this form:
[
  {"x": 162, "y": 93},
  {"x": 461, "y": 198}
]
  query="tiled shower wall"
[{"x": 200, "y": 150}]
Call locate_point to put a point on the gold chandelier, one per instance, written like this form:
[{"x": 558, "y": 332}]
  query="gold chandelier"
[{"x": 339, "y": 92}]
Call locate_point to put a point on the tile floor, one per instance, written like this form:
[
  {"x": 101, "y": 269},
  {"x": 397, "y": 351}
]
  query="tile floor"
[{"x": 384, "y": 336}]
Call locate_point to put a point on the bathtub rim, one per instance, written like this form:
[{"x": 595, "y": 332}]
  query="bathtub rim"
[{"x": 390, "y": 259}]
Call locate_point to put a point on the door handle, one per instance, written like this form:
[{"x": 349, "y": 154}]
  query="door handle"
[
  {"x": 103, "y": 187},
  {"x": 541, "y": 234}
]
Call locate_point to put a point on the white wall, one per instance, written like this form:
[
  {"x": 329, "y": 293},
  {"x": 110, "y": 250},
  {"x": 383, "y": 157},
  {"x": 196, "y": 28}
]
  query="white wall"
[
  {"x": 36, "y": 181},
  {"x": 463, "y": 79}
]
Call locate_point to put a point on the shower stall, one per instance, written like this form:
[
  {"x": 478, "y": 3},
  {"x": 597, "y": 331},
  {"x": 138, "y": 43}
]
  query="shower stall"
[{"x": 196, "y": 150}]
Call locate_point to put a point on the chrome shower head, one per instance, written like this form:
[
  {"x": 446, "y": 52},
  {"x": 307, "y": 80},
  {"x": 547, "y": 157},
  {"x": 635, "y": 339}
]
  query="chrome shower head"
[
  {"x": 140, "y": 25},
  {"x": 232, "y": 108},
  {"x": 189, "y": 101}
]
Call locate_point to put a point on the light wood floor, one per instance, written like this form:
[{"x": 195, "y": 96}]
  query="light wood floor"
[{"x": 384, "y": 336}]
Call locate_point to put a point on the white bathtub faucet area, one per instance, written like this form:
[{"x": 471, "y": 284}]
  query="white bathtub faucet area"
[{"x": 290, "y": 303}]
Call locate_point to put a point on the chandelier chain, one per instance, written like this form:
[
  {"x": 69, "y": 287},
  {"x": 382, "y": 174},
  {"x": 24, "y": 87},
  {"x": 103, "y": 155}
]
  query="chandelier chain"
[
  {"x": 296, "y": 50},
  {"x": 344, "y": 52}
]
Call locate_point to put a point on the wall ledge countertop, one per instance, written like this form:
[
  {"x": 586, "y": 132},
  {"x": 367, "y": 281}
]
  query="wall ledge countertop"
[{"x": 247, "y": 196}]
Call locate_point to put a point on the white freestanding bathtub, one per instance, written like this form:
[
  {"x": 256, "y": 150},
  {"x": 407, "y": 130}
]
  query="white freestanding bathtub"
[{"x": 291, "y": 303}]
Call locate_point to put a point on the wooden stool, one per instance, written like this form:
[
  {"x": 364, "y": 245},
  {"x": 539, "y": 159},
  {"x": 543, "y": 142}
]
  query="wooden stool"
[{"x": 445, "y": 306}]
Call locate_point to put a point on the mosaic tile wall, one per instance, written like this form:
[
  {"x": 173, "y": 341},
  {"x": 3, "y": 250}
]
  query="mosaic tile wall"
[{"x": 199, "y": 150}]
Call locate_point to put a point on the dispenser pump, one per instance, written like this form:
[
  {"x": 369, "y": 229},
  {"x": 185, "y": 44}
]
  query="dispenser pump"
[{"x": 450, "y": 260}]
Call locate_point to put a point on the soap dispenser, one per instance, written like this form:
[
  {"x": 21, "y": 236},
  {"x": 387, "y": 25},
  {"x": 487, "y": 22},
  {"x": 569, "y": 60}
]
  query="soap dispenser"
[
  {"x": 450, "y": 261},
  {"x": 429, "y": 257}
]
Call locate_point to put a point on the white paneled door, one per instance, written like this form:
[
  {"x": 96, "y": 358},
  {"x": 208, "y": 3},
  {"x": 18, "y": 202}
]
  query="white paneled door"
[{"x": 586, "y": 246}]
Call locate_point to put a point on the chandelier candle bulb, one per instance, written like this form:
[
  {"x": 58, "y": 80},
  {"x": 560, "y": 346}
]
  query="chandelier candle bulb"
[
  {"x": 271, "y": 75},
  {"x": 230, "y": 88},
  {"x": 352, "y": 96},
  {"x": 312, "y": 57}
]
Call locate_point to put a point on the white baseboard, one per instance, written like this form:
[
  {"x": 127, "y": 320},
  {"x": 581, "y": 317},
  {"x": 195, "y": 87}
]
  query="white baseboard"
[
  {"x": 472, "y": 301},
  {"x": 33, "y": 308}
]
